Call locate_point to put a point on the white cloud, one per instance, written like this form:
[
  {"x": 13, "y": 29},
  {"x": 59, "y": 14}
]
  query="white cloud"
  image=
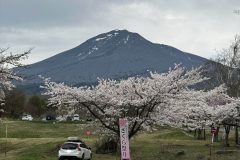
[{"x": 50, "y": 27}]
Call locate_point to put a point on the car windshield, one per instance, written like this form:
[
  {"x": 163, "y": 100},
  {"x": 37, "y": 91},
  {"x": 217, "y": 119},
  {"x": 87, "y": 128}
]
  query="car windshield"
[
  {"x": 75, "y": 140},
  {"x": 69, "y": 146}
]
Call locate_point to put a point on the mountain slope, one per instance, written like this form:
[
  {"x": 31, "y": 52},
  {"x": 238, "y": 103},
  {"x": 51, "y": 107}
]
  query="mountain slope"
[{"x": 116, "y": 54}]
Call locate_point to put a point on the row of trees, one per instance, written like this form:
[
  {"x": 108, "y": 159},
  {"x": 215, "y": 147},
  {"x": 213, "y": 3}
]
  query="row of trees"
[{"x": 17, "y": 103}]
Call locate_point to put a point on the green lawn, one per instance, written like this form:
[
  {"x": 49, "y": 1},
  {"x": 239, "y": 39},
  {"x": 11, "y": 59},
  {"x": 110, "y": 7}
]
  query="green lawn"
[{"x": 40, "y": 140}]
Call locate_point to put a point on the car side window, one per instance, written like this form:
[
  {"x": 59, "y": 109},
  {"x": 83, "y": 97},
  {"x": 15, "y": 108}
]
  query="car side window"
[{"x": 83, "y": 145}]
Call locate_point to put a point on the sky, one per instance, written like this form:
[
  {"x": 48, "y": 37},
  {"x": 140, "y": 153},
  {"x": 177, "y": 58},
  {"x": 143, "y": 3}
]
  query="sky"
[{"x": 201, "y": 27}]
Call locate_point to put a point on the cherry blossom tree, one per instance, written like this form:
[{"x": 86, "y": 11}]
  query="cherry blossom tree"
[
  {"x": 204, "y": 109},
  {"x": 163, "y": 99},
  {"x": 136, "y": 98},
  {"x": 8, "y": 60},
  {"x": 229, "y": 115},
  {"x": 195, "y": 110}
]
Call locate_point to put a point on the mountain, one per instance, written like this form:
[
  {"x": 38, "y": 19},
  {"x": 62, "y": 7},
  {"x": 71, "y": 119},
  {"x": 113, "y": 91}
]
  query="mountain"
[{"x": 115, "y": 54}]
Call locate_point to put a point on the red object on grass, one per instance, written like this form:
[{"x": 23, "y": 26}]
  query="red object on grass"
[{"x": 88, "y": 133}]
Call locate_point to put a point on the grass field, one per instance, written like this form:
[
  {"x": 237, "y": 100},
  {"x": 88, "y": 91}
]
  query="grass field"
[{"x": 39, "y": 141}]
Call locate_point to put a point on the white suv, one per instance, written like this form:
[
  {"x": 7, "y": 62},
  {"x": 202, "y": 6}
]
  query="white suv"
[
  {"x": 78, "y": 150},
  {"x": 75, "y": 117},
  {"x": 27, "y": 117}
]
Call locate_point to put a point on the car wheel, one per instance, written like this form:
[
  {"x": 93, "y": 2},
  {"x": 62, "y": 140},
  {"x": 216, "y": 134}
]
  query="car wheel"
[{"x": 83, "y": 156}]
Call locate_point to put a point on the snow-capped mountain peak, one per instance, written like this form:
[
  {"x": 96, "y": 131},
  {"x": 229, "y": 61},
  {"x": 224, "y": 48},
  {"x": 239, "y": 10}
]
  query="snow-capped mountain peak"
[{"x": 103, "y": 43}]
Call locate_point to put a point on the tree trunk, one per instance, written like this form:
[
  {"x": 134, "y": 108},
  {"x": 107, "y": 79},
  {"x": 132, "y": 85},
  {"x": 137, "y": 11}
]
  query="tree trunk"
[
  {"x": 195, "y": 133},
  {"x": 227, "y": 131},
  {"x": 204, "y": 134},
  {"x": 216, "y": 134},
  {"x": 236, "y": 135},
  {"x": 199, "y": 134}
]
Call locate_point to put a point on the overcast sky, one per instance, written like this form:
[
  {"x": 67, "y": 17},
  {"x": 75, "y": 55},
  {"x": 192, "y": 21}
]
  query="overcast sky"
[{"x": 52, "y": 26}]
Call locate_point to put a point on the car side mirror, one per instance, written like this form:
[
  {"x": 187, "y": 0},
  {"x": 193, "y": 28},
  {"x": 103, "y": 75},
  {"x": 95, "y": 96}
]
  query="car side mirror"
[{"x": 90, "y": 148}]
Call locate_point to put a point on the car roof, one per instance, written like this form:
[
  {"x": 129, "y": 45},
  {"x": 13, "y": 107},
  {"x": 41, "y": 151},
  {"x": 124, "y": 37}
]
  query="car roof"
[
  {"x": 73, "y": 142},
  {"x": 74, "y": 139}
]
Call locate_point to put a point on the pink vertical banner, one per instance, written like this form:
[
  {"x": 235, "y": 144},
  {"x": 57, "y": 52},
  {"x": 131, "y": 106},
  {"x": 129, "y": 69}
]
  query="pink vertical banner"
[{"x": 123, "y": 125}]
